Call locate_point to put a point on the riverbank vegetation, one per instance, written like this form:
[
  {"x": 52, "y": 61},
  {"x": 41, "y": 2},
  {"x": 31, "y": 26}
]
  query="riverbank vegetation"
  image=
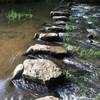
[
  {"x": 70, "y": 27},
  {"x": 15, "y": 16},
  {"x": 83, "y": 53},
  {"x": 88, "y": 53}
]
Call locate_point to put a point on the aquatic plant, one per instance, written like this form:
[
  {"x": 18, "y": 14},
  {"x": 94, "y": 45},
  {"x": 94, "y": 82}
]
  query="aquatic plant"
[
  {"x": 69, "y": 40},
  {"x": 82, "y": 52},
  {"x": 98, "y": 97},
  {"x": 68, "y": 75},
  {"x": 71, "y": 17},
  {"x": 14, "y": 16},
  {"x": 94, "y": 34},
  {"x": 70, "y": 27},
  {"x": 89, "y": 19},
  {"x": 87, "y": 53}
]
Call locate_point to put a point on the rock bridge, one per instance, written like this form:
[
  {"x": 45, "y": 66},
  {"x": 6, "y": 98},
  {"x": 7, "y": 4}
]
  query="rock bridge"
[{"x": 47, "y": 59}]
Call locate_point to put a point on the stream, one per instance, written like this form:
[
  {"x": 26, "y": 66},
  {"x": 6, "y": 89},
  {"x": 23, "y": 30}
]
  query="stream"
[{"x": 15, "y": 38}]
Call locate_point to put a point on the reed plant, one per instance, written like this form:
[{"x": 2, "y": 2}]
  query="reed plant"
[{"x": 15, "y": 16}]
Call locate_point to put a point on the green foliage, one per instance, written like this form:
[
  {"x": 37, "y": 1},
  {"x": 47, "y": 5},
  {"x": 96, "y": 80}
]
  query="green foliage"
[
  {"x": 14, "y": 16},
  {"x": 98, "y": 97},
  {"x": 94, "y": 34},
  {"x": 70, "y": 27},
  {"x": 90, "y": 19},
  {"x": 68, "y": 75},
  {"x": 71, "y": 17},
  {"x": 88, "y": 53},
  {"x": 69, "y": 40},
  {"x": 84, "y": 53}
]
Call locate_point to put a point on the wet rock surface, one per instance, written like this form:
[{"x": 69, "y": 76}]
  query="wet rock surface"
[{"x": 31, "y": 86}]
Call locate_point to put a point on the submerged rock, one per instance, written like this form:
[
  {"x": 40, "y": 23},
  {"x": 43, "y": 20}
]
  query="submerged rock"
[
  {"x": 48, "y": 98},
  {"x": 37, "y": 89}
]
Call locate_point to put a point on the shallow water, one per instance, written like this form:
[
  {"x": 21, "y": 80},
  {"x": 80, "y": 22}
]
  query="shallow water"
[
  {"x": 16, "y": 37},
  {"x": 87, "y": 18}
]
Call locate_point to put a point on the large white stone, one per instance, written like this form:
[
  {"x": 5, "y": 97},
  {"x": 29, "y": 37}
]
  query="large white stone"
[{"x": 41, "y": 69}]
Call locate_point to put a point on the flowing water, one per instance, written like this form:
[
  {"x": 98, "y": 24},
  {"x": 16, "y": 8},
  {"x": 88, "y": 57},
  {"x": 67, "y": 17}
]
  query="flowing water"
[
  {"x": 15, "y": 38},
  {"x": 86, "y": 17}
]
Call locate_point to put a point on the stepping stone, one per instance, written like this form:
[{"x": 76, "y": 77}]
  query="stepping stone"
[
  {"x": 54, "y": 29},
  {"x": 48, "y": 37},
  {"x": 60, "y": 18},
  {"x": 60, "y": 13},
  {"x": 50, "y": 48},
  {"x": 59, "y": 22},
  {"x": 38, "y": 70},
  {"x": 42, "y": 51}
]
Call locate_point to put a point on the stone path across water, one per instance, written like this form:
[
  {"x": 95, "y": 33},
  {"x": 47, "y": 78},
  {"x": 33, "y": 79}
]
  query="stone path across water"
[{"x": 47, "y": 60}]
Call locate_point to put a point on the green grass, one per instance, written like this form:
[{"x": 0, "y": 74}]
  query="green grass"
[
  {"x": 94, "y": 34},
  {"x": 69, "y": 40},
  {"x": 68, "y": 75},
  {"x": 70, "y": 27},
  {"x": 98, "y": 97},
  {"x": 71, "y": 17},
  {"x": 89, "y": 53},
  {"x": 15, "y": 16},
  {"x": 90, "y": 19},
  {"x": 82, "y": 52}
]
